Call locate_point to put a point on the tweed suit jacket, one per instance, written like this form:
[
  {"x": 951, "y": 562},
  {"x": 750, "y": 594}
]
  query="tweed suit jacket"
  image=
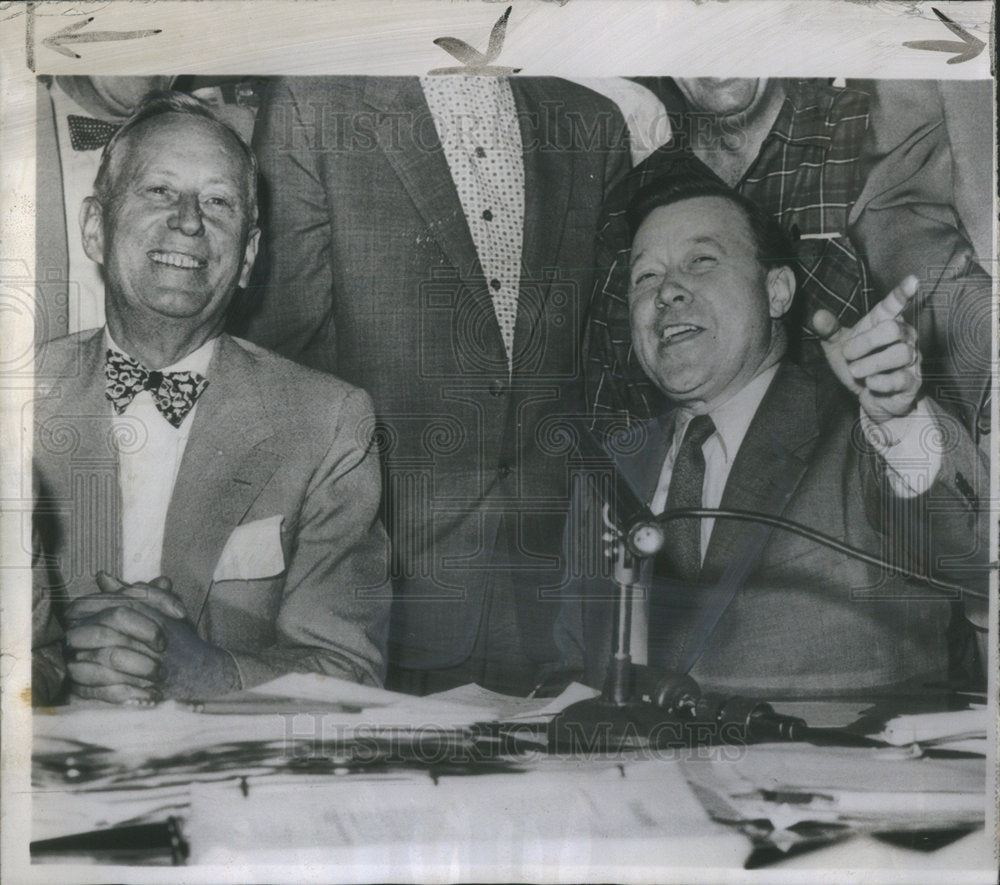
[
  {"x": 271, "y": 540},
  {"x": 779, "y": 615},
  {"x": 371, "y": 272}
]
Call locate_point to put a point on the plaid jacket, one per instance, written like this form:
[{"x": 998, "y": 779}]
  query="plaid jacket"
[{"x": 807, "y": 174}]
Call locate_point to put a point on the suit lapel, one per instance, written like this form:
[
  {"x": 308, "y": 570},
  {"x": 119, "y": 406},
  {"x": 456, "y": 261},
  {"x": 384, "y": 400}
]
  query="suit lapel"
[
  {"x": 767, "y": 470},
  {"x": 547, "y": 147},
  {"x": 639, "y": 458},
  {"x": 222, "y": 472},
  {"x": 548, "y": 143},
  {"x": 418, "y": 159}
]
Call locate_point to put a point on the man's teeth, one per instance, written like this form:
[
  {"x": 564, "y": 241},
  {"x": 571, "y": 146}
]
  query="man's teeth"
[
  {"x": 673, "y": 331},
  {"x": 176, "y": 259}
]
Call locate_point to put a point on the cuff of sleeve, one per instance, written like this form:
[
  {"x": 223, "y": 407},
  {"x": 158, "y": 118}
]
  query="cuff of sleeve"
[
  {"x": 251, "y": 670},
  {"x": 907, "y": 446}
]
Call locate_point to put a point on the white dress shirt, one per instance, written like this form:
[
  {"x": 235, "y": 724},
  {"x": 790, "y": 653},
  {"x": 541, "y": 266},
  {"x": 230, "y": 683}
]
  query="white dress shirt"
[
  {"x": 731, "y": 419},
  {"x": 476, "y": 121},
  {"x": 150, "y": 449}
]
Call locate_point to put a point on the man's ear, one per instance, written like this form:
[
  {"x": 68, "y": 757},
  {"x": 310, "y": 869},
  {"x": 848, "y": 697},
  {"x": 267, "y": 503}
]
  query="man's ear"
[
  {"x": 92, "y": 229},
  {"x": 780, "y": 290},
  {"x": 249, "y": 254}
]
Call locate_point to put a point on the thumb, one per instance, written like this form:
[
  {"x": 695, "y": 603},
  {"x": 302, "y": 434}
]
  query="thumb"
[
  {"x": 162, "y": 582},
  {"x": 108, "y": 583},
  {"x": 825, "y": 324}
]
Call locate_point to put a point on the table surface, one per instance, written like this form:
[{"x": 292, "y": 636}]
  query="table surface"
[{"x": 627, "y": 816}]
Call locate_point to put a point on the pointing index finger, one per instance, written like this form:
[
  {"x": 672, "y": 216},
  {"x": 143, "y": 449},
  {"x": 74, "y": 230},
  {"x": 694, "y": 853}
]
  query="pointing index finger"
[{"x": 891, "y": 306}]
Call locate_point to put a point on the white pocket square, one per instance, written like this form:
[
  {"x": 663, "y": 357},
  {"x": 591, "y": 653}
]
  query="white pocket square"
[{"x": 252, "y": 551}]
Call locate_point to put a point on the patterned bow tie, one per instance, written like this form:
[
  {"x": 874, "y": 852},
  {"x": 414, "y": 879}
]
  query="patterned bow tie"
[
  {"x": 174, "y": 393},
  {"x": 89, "y": 133}
]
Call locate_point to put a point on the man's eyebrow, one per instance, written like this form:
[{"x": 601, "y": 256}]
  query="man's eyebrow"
[
  {"x": 164, "y": 172},
  {"x": 707, "y": 240}
]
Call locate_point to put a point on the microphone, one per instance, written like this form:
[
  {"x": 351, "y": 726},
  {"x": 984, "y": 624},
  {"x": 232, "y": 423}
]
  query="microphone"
[{"x": 737, "y": 719}]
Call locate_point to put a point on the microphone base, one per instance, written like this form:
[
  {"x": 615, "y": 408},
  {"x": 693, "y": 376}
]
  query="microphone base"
[{"x": 598, "y": 725}]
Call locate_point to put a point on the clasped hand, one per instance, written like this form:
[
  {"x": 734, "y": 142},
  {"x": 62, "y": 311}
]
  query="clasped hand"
[
  {"x": 134, "y": 643},
  {"x": 878, "y": 359}
]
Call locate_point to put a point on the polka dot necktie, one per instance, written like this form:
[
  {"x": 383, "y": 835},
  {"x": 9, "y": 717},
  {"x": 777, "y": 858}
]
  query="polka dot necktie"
[{"x": 174, "y": 393}]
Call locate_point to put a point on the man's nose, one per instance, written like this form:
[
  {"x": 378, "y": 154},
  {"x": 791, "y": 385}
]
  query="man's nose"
[
  {"x": 671, "y": 292},
  {"x": 186, "y": 216}
]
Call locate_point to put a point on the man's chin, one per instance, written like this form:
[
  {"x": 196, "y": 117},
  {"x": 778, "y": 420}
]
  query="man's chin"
[
  {"x": 179, "y": 305},
  {"x": 170, "y": 307}
]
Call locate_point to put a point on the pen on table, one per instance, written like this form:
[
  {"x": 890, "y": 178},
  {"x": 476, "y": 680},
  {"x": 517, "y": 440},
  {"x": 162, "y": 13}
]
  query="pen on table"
[
  {"x": 147, "y": 840},
  {"x": 251, "y": 706}
]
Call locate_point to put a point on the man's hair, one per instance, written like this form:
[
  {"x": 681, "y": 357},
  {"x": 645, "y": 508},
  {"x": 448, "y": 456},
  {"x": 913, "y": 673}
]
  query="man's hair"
[
  {"x": 774, "y": 246},
  {"x": 154, "y": 105}
]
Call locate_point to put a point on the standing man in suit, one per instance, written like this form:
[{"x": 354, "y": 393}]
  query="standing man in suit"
[
  {"x": 206, "y": 511},
  {"x": 859, "y": 454},
  {"x": 433, "y": 243}
]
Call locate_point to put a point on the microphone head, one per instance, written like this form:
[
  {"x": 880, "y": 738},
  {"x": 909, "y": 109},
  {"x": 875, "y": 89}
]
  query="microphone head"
[{"x": 645, "y": 539}]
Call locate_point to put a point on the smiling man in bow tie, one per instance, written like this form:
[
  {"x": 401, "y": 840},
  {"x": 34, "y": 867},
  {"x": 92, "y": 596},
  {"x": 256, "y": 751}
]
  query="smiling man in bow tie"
[{"x": 212, "y": 523}]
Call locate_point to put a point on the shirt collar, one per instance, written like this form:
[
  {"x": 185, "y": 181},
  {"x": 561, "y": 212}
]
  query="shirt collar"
[
  {"x": 732, "y": 418},
  {"x": 197, "y": 361},
  {"x": 804, "y": 117}
]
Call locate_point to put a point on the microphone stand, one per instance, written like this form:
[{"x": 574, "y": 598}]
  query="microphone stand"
[
  {"x": 635, "y": 709},
  {"x": 639, "y": 708}
]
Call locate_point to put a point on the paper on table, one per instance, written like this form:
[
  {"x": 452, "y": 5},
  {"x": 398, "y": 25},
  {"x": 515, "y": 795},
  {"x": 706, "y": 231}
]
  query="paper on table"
[
  {"x": 381, "y": 706},
  {"x": 318, "y": 687},
  {"x": 886, "y": 788},
  {"x": 56, "y": 813},
  {"x": 465, "y": 822},
  {"x": 169, "y": 728},
  {"x": 505, "y": 708},
  {"x": 933, "y": 727}
]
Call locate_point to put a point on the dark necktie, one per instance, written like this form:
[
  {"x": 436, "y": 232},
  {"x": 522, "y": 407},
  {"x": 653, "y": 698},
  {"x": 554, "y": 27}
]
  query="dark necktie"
[
  {"x": 174, "y": 393},
  {"x": 89, "y": 133},
  {"x": 686, "y": 481},
  {"x": 674, "y": 597}
]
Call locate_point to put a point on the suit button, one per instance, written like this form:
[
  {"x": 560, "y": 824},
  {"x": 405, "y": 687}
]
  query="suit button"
[
  {"x": 487, "y": 215},
  {"x": 495, "y": 285},
  {"x": 497, "y": 388},
  {"x": 503, "y": 471}
]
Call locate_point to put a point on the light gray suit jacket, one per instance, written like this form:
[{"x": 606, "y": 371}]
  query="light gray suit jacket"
[{"x": 269, "y": 439}]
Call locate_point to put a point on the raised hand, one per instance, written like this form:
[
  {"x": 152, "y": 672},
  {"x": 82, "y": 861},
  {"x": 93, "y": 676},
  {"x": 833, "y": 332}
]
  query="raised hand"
[{"x": 878, "y": 359}]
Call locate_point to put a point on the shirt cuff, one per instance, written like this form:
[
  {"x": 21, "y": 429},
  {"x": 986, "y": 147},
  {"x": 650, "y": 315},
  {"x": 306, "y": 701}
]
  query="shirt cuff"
[{"x": 910, "y": 448}]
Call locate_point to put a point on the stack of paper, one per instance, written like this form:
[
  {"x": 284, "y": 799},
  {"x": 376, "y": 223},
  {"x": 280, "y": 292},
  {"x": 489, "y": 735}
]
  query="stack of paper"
[
  {"x": 98, "y": 765},
  {"x": 960, "y": 730}
]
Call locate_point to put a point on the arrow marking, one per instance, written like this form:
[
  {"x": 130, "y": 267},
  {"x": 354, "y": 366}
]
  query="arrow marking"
[
  {"x": 969, "y": 47},
  {"x": 69, "y": 34},
  {"x": 474, "y": 61}
]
